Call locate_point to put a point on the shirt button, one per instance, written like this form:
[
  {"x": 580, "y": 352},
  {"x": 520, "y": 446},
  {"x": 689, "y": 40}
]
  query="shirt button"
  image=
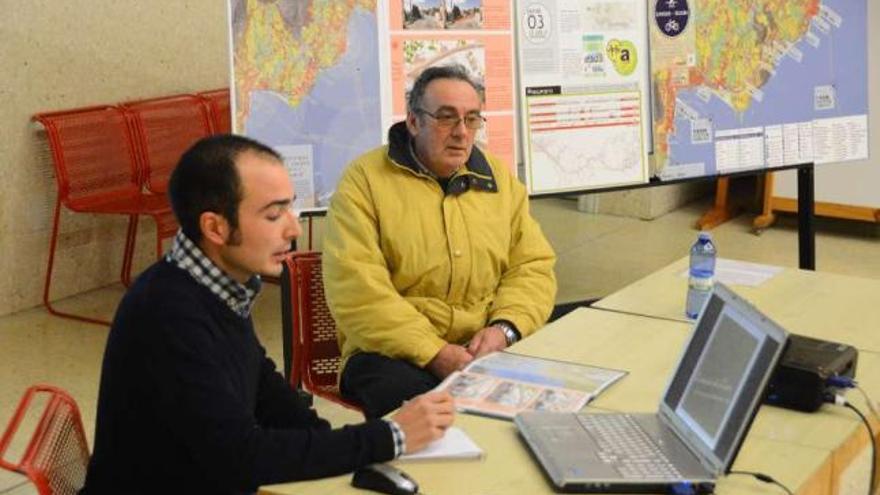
[{"x": 457, "y": 252}]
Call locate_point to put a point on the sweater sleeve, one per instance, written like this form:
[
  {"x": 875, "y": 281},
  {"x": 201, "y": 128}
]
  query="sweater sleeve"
[
  {"x": 207, "y": 408},
  {"x": 278, "y": 406},
  {"x": 368, "y": 310}
]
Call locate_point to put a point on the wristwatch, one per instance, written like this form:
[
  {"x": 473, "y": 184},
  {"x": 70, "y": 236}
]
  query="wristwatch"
[{"x": 510, "y": 333}]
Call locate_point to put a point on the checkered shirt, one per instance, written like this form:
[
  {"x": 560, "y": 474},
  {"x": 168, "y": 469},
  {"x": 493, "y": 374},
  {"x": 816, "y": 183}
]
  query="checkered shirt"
[
  {"x": 399, "y": 438},
  {"x": 186, "y": 255}
]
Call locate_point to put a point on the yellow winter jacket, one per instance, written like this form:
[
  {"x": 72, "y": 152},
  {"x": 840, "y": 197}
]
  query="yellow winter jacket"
[{"x": 408, "y": 268}]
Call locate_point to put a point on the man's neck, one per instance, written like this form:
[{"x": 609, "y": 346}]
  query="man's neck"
[{"x": 424, "y": 164}]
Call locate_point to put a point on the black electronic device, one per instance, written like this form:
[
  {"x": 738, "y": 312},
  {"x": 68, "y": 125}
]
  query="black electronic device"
[
  {"x": 805, "y": 376},
  {"x": 383, "y": 478}
]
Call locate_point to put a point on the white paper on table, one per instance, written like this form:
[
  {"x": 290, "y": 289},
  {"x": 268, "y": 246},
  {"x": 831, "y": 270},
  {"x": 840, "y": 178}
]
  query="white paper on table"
[
  {"x": 455, "y": 444},
  {"x": 735, "y": 272}
]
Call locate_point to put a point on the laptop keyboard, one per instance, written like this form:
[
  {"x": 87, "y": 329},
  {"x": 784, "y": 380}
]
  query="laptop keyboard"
[{"x": 625, "y": 445}]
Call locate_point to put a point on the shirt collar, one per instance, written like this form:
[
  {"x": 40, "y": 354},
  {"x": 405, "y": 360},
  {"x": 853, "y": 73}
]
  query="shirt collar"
[
  {"x": 476, "y": 173},
  {"x": 187, "y": 256}
]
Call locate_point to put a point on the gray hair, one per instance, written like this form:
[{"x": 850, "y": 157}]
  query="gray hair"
[{"x": 452, "y": 71}]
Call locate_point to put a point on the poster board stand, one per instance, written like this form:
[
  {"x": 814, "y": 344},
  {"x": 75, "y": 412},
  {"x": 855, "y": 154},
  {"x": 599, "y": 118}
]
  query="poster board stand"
[
  {"x": 722, "y": 211},
  {"x": 804, "y": 205},
  {"x": 773, "y": 203}
]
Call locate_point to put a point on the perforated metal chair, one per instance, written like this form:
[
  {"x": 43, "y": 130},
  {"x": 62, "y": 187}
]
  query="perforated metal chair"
[
  {"x": 56, "y": 456},
  {"x": 219, "y": 108},
  {"x": 163, "y": 129},
  {"x": 97, "y": 171},
  {"x": 311, "y": 352}
]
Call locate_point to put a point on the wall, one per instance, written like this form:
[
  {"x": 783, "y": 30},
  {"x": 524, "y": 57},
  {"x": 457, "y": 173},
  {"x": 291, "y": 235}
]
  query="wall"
[
  {"x": 59, "y": 54},
  {"x": 645, "y": 203}
]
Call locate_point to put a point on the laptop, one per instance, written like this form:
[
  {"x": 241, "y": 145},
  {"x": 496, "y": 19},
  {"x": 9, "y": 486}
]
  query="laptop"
[{"x": 701, "y": 422}]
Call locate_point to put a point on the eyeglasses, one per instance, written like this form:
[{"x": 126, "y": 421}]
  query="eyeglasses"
[{"x": 472, "y": 121}]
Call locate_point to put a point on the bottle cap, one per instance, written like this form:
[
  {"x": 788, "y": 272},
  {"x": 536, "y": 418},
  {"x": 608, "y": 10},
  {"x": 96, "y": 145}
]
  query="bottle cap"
[{"x": 705, "y": 236}]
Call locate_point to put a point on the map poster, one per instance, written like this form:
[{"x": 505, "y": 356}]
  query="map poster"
[
  {"x": 583, "y": 82},
  {"x": 478, "y": 34},
  {"x": 760, "y": 83},
  {"x": 306, "y": 81}
]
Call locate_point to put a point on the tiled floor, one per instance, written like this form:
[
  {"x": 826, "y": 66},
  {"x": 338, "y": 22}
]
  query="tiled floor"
[{"x": 597, "y": 255}]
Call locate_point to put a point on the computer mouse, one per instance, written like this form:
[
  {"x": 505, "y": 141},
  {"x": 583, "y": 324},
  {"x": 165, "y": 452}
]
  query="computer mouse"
[{"x": 383, "y": 478}]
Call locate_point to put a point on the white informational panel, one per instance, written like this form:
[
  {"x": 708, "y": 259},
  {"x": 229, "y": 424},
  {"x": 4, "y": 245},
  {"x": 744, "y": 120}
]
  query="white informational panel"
[
  {"x": 853, "y": 183},
  {"x": 583, "y": 74}
]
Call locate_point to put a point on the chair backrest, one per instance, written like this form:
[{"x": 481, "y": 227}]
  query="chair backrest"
[
  {"x": 163, "y": 129},
  {"x": 219, "y": 108},
  {"x": 93, "y": 154},
  {"x": 56, "y": 456},
  {"x": 314, "y": 355}
]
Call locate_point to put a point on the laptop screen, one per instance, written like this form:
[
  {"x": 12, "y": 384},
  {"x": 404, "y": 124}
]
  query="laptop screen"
[{"x": 718, "y": 385}]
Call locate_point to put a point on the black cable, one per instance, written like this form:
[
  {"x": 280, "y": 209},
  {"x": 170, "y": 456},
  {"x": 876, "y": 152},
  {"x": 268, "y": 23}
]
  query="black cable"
[
  {"x": 764, "y": 478},
  {"x": 871, "y": 441}
]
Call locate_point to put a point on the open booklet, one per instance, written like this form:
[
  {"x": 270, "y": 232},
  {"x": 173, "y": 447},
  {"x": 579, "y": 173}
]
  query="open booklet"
[{"x": 502, "y": 384}]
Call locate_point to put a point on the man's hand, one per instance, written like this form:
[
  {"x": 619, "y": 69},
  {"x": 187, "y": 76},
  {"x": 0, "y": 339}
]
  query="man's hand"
[
  {"x": 488, "y": 339},
  {"x": 450, "y": 358},
  {"x": 425, "y": 419}
]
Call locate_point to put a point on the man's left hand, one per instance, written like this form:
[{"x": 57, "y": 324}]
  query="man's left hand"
[{"x": 488, "y": 339}]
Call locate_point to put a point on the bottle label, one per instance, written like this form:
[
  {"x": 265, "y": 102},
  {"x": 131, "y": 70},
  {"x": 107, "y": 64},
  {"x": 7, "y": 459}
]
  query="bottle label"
[{"x": 701, "y": 283}]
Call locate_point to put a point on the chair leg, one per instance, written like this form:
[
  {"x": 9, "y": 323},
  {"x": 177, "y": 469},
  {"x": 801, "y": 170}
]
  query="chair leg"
[
  {"x": 128, "y": 251},
  {"x": 53, "y": 243}
]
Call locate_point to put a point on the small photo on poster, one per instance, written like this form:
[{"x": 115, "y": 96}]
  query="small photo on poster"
[
  {"x": 464, "y": 14},
  {"x": 418, "y": 55},
  {"x": 424, "y": 15}
]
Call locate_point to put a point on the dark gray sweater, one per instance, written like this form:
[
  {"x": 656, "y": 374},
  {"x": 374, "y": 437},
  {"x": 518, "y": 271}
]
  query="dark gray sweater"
[{"x": 190, "y": 403}]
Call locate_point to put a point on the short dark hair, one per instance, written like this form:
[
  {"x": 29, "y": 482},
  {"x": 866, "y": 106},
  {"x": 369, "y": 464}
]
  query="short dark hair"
[
  {"x": 205, "y": 179},
  {"x": 451, "y": 71}
]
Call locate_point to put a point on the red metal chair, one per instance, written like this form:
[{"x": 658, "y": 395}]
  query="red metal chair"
[
  {"x": 311, "y": 352},
  {"x": 97, "y": 171},
  {"x": 219, "y": 108},
  {"x": 163, "y": 129},
  {"x": 56, "y": 456}
]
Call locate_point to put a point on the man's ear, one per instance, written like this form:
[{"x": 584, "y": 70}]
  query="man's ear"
[
  {"x": 215, "y": 227},
  {"x": 412, "y": 123}
]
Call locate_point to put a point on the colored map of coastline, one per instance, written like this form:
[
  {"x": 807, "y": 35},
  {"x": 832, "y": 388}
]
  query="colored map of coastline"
[
  {"x": 282, "y": 46},
  {"x": 306, "y": 82},
  {"x": 737, "y": 47}
]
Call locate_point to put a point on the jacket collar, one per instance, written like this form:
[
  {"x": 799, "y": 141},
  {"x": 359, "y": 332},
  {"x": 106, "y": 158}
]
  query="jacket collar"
[{"x": 476, "y": 173}]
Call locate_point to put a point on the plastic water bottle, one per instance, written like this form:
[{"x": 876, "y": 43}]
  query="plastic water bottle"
[{"x": 702, "y": 274}]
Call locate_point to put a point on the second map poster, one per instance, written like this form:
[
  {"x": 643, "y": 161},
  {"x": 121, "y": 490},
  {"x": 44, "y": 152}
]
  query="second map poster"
[{"x": 584, "y": 103}]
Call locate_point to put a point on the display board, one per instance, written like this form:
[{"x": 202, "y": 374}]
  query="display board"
[
  {"x": 755, "y": 84},
  {"x": 734, "y": 85},
  {"x": 321, "y": 82},
  {"x": 583, "y": 71}
]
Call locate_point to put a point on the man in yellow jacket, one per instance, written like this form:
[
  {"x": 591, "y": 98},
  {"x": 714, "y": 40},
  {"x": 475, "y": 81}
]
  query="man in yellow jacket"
[{"x": 431, "y": 258}]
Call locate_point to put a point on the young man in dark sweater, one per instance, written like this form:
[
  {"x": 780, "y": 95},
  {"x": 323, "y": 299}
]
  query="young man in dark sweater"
[{"x": 189, "y": 402}]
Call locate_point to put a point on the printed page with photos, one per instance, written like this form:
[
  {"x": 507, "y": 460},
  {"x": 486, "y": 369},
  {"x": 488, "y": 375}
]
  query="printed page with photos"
[{"x": 503, "y": 384}]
